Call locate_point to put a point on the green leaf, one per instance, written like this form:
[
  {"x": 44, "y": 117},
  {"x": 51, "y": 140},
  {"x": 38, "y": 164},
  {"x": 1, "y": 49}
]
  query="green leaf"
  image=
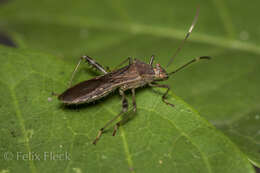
[
  {"x": 224, "y": 91},
  {"x": 157, "y": 138}
]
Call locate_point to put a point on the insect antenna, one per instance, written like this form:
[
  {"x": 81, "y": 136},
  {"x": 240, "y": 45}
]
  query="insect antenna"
[
  {"x": 186, "y": 37},
  {"x": 188, "y": 63}
]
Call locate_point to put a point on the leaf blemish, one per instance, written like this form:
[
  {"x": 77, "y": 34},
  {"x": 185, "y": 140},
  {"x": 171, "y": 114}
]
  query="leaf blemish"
[
  {"x": 77, "y": 170},
  {"x": 49, "y": 99},
  {"x": 30, "y": 133},
  {"x": 13, "y": 133},
  {"x": 131, "y": 169},
  {"x": 244, "y": 35},
  {"x": 104, "y": 157},
  {"x": 84, "y": 33}
]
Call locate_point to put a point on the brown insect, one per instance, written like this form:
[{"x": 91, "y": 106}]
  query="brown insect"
[{"x": 132, "y": 76}]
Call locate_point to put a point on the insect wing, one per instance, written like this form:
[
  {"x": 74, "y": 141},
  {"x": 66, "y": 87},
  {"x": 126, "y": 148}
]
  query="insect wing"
[{"x": 93, "y": 89}]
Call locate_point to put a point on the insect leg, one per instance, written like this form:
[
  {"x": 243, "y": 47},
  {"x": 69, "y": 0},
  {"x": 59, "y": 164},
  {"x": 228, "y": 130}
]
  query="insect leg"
[
  {"x": 133, "y": 99},
  {"x": 94, "y": 64},
  {"x": 124, "y": 109},
  {"x": 134, "y": 109},
  {"x": 103, "y": 128},
  {"x": 165, "y": 94},
  {"x": 91, "y": 62},
  {"x": 129, "y": 59},
  {"x": 151, "y": 60}
]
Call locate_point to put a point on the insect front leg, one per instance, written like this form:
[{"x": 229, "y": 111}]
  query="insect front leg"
[
  {"x": 91, "y": 62},
  {"x": 165, "y": 94},
  {"x": 124, "y": 109}
]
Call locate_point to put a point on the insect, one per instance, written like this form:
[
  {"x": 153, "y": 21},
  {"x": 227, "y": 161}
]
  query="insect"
[{"x": 129, "y": 77}]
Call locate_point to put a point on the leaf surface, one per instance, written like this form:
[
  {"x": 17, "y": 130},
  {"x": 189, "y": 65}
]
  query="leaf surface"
[
  {"x": 224, "y": 91},
  {"x": 157, "y": 138}
]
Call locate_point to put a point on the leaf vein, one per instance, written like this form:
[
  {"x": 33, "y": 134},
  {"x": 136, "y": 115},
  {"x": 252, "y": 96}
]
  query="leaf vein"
[{"x": 22, "y": 125}]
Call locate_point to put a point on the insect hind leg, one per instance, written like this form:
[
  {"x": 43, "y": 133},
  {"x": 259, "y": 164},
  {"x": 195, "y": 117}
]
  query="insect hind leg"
[
  {"x": 91, "y": 62},
  {"x": 94, "y": 64},
  {"x": 134, "y": 110},
  {"x": 124, "y": 109}
]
